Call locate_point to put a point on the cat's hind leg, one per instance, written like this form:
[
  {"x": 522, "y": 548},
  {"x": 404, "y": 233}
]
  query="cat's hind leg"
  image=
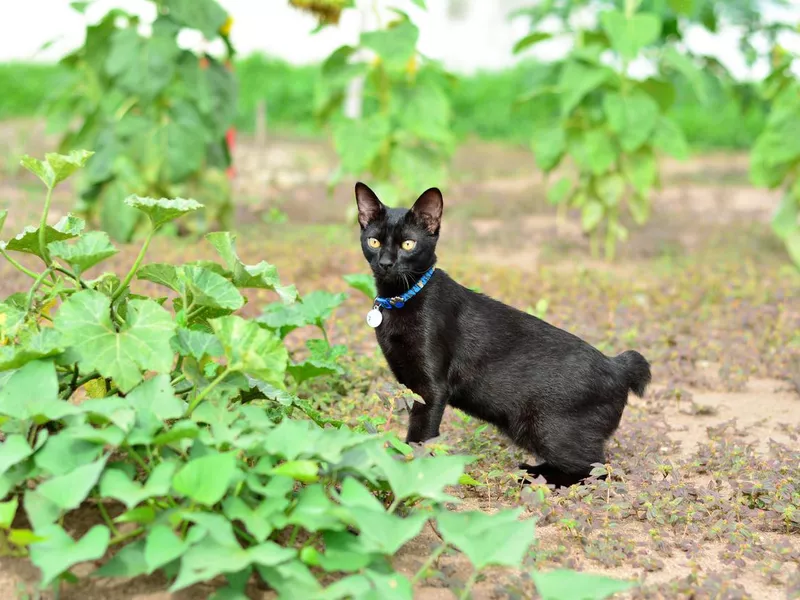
[{"x": 553, "y": 475}]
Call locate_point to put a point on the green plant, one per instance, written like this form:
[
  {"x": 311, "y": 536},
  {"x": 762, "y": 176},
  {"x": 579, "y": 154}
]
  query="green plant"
[
  {"x": 157, "y": 114},
  {"x": 402, "y": 139},
  {"x": 178, "y": 428},
  {"x": 775, "y": 159},
  {"x": 608, "y": 123}
]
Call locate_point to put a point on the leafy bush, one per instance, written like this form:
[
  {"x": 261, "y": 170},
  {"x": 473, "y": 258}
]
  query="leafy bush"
[
  {"x": 157, "y": 114},
  {"x": 403, "y": 138},
  {"x": 775, "y": 161},
  {"x": 180, "y": 430}
]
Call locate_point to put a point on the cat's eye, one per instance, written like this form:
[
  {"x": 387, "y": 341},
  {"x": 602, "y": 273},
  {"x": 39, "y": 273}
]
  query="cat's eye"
[
  {"x": 373, "y": 243},
  {"x": 409, "y": 244}
]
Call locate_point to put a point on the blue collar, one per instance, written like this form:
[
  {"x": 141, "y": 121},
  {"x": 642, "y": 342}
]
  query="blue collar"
[{"x": 400, "y": 301}]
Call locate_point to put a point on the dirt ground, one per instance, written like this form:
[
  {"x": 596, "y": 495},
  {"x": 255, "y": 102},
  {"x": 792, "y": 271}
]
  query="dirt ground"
[{"x": 703, "y": 290}]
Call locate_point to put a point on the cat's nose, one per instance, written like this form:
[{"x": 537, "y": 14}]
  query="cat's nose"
[{"x": 386, "y": 261}]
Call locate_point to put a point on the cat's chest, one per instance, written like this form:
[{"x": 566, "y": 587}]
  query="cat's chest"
[{"x": 401, "y": 336}]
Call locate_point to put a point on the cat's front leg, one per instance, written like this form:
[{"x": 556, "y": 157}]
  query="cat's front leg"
[{"x": 426, "y": 418}]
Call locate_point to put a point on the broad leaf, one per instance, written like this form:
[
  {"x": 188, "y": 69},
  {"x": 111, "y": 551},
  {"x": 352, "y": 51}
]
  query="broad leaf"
[
  {"x": 197, "y": 344},
  {"x": 549, "y": 144},
  {"x": 384, "y": 532},
  {"x": 128, "y": 562},
  {"x": 142, "y": 343},
  {"x": 163, "y": 546},
  {"x": 45, "y": 344},
  {"x": 562, "y": 584},
  {"x": 32, "y": 392},
  {"x": 209, "y": 289},
  {"x": 163, "y": 210},
  {"x": 116, "y": 484},
  {"x": 59, "y": 551},
  {"x": 263, "y": 275},
  {"x": 426, "y": 477},
  {"x": 358, "y": 142},
  {"x": 577, "y": 80},
  {"x": 559, "y": 191},
  {"x": 363, "y": 283},
  {"x": 13, "y": 450},
  {"x": 591, "y": 215},
  {"x": 56, "y": 167},
  {"x": 785, "y": 218},
  {"x": 669, "y": 138},
  {"x": 641, "y": 170},
  {"x": 194, "y": 482},
  {"x": 69, "y": 490},
  {"x": 632, "y": 118},
  {"x": 395, "y": 45},
  {"x": 206, "y": 15},
  {"x": 686, "y": 67},
  {"x": 499, "y": 539},
  {"x": 629, "y": 35},
  {"x": 593, "y": 151},
  {"x": 251, "y": 349},
  {"x": 291, "y": 579},
  {"x": 90, "y": 249},
  {"x": 314, "y": 511},
  {"x": 8, "y": 511},
  {"x": 530, "y": 39},
  {"x": 28, "y": 241}
]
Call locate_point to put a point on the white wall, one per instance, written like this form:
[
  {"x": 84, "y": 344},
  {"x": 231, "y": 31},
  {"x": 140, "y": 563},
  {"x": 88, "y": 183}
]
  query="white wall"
[{"x": 480, "y": 37}]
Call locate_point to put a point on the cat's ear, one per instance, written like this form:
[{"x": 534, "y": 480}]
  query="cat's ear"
[
  {"x": 428, "y": 210},
  {"x": 369, "y": 207}
]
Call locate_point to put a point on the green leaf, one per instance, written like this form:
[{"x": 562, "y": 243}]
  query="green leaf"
[
  {"x": 395, "y": 45},
  {"x": 32, "y": 392},
  {"x": 792, "y": 242},
  {"x": 209, "y": 289},
  {"x": 420, "y": 3},
  {"x": 669, "y": 138},
  {"x": 318, "y": 306},
  {"x": 686, "y": 67},
  {"x": 139, "y": 65},
  {"x": 41, "y": 169},
  {"x": 306, "y": 471},
  {"x": 591, "y": 215},
  {"x": 193, "y": 480},
  {"x": 258, "y": 521},
  {"x": 426, "y": 477},
  {"x": 28, "y": 241},
  {"x": 207, "y": 559},
  {"x": 530, "y": 40},
  {"x": 69, "y": 490},
  {"x": 293, "y": 439},
  {"x": 251, "y": 349},
  {"x": 785, "y": 218},
  {"x": 425, "y": 113},
  {"x": 363, "y": 283},
  {"x": 499, "y": 539},
  {"x": 65, "y": 451},
  {"x": 610, "y": 188},
  {"x": 3, "y": 216},
  {"x": 549, "y": 144},
  {"x": 387, "y": 533},
  {"x": 142, "y": 343},
  {"x": 64, "y": 165},
  {"x": 116, "y": 484},
  {"x": 576, "y": 81},
  {"x": 45, "y": 344},
  {"x": 206, "y": 15},
  {"x": 314, "y": 511},
  {"x": 632, "y": 118},
  {"x": 163, "y": 546},
  {"x": 291, "y": 579},
  {"x": 13, "y": 450},
  {"x": 262, "y": 276},
  {"x": 197, "y": 344},
  {"x": 558, "y": 192},
  {"x": 60, "y": 552},
  {"x": 593, "y": 151},
  {"x": 163, "y": 210},
  {"x": 565, "y": 584},
  {"x": 629, "y": 36},
  {"x": 40, "y": 511},
  {"x": 641, "y": 170},
  {"x": 90, "y": 249},
  {"x": 156, "y": 396},
  {"x": 358, "y": 142},
  {"x": 128, "y": 562},
  {"x": 8, "y": 511}
]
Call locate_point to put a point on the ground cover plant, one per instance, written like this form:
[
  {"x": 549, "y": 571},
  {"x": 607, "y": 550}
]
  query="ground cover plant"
[{"x": 182, "y": 430}]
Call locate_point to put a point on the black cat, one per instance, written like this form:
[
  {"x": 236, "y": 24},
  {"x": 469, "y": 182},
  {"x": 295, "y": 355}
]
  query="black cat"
[{"x": 553, "y": 394}]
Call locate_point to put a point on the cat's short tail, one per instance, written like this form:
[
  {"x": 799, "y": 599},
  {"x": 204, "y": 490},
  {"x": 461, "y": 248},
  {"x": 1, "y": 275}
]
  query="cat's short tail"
[{"x": 636, "y": 369}]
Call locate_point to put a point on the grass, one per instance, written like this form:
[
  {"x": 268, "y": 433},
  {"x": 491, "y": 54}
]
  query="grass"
[{"x": 483, "y": 104}]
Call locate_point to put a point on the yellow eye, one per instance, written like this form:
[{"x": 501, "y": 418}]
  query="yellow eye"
[
  {"x": 373, "y": 243},
  {"x": 409, "y": 244}
]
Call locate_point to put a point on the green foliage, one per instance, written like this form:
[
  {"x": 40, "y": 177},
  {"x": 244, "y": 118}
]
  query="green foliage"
[
  {"x": 186, "y": 421},
  {"x": 775, "y": 160},
  {"x": 609, "y": 125},
  {"x": 403, "y": 139},
  {"x": 157, "y": 114}
]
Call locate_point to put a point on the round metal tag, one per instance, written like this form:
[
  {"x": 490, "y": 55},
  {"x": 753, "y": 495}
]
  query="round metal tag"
[{"x": 374, "y": 318}]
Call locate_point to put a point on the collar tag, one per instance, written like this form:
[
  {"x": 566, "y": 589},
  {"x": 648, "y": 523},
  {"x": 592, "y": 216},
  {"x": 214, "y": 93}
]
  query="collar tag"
[{"x": 374, "y": 317}]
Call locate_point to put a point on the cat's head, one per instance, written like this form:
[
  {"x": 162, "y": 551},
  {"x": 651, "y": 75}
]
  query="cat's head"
[{"x": 399, "y": 243}]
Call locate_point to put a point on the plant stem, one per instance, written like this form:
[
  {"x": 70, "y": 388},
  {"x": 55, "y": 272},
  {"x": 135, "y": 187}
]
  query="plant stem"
[
  {"x": 42, "y": 225},
  {"x": 126, "y": 536},
  {"x": 135, "y": 267},
  {"x": 36, "y": 285},
  {"x": 468, "y": 586},
  {"x": 201, "y": 396},
  {"x": 393, "y": 506},
  {"x": 137, "y": 457},
  {"x": 293, "y": 537},
  {"x": 104, "y": 513},
  {"x": 420, "y": 575},
  {"x": 21, "y": 268}
]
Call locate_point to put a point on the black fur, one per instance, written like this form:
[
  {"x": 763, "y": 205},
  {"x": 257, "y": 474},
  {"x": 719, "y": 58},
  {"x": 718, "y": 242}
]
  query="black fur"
[{"x": 553, "y": 394}]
